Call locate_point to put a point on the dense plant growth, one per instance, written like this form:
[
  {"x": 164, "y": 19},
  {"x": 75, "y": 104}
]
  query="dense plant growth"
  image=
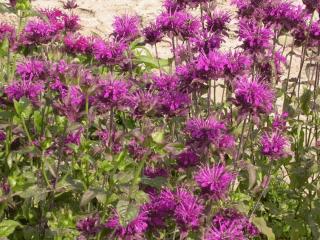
[{"x": 102, "y": 139}]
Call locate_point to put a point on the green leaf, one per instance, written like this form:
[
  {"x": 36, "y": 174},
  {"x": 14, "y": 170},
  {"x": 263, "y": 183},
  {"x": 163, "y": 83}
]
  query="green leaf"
[
  {"x": 37, "y": 120},
  {"x": 4, "y": 46},
  {"x": 158, "y": 137},
  {"x": 156, "y": 182},
  {"x": 127, "y": 212},
  {"x": 7, "y": 227},
  {"x": 90, "y": 194},
  {"x": 152, "y": 62},
  {"x": 262, "y": 226},
  {"x": 306, "y": 101}
]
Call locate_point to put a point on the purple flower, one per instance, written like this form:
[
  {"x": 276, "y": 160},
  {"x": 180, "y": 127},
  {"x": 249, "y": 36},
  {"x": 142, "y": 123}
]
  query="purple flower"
[
  {"x": 174, "y": 5},
  {"x": 204, "y": 130},
  {"x": 178, "y": 23},
  {"x": 132, "y": 229},
  {"x": 5, "y": 186},
  {"x": 214, "y": 181},
  {"x": 152, "y": 172},
  {"x": 229, "y": 224},
  {"x": 226, "y": 142},
  {"x": 13, "y": 3},
  {"x": 71, "y": 22},
  {"x": 160, "y": 207},
  {"x": 111, "y": 93},
  {"x": 255, "y": 38},
  {"x": 136, "y": 150},
  {"x": 311, "y": 5},
  {"x": 173, "y": 103},
  {"x": 37, "y": 32},
  {"x": 28, "y": 89},
  {"x": 89, "y": 226},
  {"x": 152, "y": 34},
  {"x": 74, "y": 137},
  {"x": 217, "y": 21},
  {"x": 78, "y": 44},
  {"x": 280, "y": 121},
  {"x": 143, "y": 103},
  {"x": 31, "y": 69},
  {"x": 254, "y": 97},
  {"x": 165, "y": 82},
  {"x": 70, "y": 103},
  {"x": 206, "y": 41},
  {"x": 274, "y": 145},
  {"x": 188, "y": 210},
  {"x": 211, "y": 65},
  {"x": 109, "y": 53},
  {"x": 126, "y": 27},
  {"x": 70, "y": 4},
  {"x": 187, "y": 159},
  {"x": 7, "y": 31},
  {"x": 238, "y": 63},
  {"x": 2, "y": 136}
]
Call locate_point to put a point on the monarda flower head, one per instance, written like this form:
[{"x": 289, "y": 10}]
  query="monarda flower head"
[
  {"x": 188, "y": 210},
  {"x": 2, "y": 136},
  {"x": 37, "y": 32},
  {"x": 109, "y": 53},
  {"x": 143, "y": 103},
  {"x": 78, "y": 44},
  {"x": 71, "y": 103},
  {"x": 89, "y": 226},
  {"x": 217, "y": 22},
  {"x": 187, "y": 159},
  {"x": 173, "y": 103},
  {"x": 7, "y": 32},
  {"x": 311, "y": 5},
  {"x": 274, "y": 145},
  {"x": 126, "y": 27},
  {"x": 214, "y": 181},
  {"x": 238, "y": 63},
  {"x": 31, "y": 69},
  {"x": 211, "y": 65},
  {"x": 111, "y": 93},
  {"x": 255, "y": 38},
  {"x": 131, "y": 230},
  {"x": 280, "y": 121},
  {"x": 205, "y": 130},
  {"x": 253, "y": 97},
  {"x": 179, "y": 23},
  {"x": 206, "y": 41},
  {"x": 229, "y": 224},
  {"x": 165, "y": 82},
  {"x": 174, "y": 5},
  {"x": 27, "y": 89},
  {"x": 152, "y": 34}
]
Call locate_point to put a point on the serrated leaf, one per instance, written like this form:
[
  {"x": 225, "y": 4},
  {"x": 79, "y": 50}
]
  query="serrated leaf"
[
  {"x": 263, "y": 228},
  {"x": 306, "y": 101},
  {"x": 7, "y": 227}
]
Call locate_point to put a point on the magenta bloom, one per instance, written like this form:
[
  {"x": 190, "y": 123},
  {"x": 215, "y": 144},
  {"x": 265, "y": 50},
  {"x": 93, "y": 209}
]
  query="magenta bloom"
[
  {"x": 211, "y": 65},
  {"x": 2, "y": 136},
  {"x": 26, "y": 89},
  {"x": 89, "y": 226},
  {"x": 255, "y": 38},
  {"x": 214, "y": 181},
  {"x": 31, "y": 69},
  {"x": 143, "y": 103},
  {"x": 71, "y": 23},
  {"x": 165, "y": 82},
  {"x": 274, "y": 145},
  {"x": 109, "y": 53},
  {"x": 111, "y": 93},
  {"x": 204, "y": 130},
  {"x": 254, "y": 97},
  {"x": 126, "y": 27},
  {"x": 37, "y": 32},
  {"x": 188, "y": 210},
  {"x": 152, "y": 34},
  {"x": 179, "y": 23},
  {"x": 7, "y": 31},
  {"x": 131, "y": 230},
  {"x": 206, "y": 41},
  {"x": 229, "y": 224},
  {"x": 71, "y": 103},
  {"x": 238, "y": 63},
  {"x": 217, "y": 21},
  {"x": 187, "y": 159},
  {"x": 77, "y": 44},
  {"x": 280, "y": 121}
]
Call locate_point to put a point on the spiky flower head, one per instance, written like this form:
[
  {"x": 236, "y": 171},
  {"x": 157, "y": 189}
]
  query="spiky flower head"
[
  {"x": 214, "y": 181},
  {"x": 253, "y": 96},
  {"x": 131, "y": 230},
  {"x": 274, "y": 145},
  {"x": 188, "y": 210},
  {"x": 89, "y": 226},
  {"x": 126, "y": 27}
]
